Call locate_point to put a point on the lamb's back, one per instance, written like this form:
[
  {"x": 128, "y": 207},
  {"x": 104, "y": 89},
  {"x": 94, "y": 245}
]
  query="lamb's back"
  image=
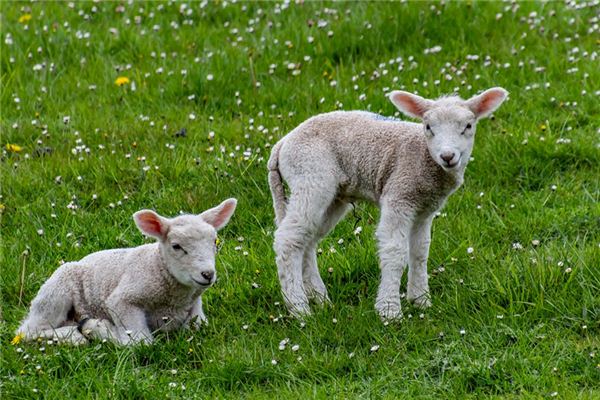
[{"x": 367, "y": 147}]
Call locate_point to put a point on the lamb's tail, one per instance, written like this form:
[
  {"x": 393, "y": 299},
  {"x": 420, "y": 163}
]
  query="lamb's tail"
[{"x": 276, "y": 184}]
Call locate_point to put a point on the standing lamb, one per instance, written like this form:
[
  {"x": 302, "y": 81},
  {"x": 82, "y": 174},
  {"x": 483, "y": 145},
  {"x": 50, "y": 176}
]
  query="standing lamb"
[
  {"x": 125, "y": 294},
  {"x": 407, "y": 169}
]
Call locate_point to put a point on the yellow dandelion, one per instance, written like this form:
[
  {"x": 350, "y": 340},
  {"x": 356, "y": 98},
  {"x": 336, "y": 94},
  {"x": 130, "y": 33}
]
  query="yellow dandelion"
[
  {"x": 2, "y": 208},
  {"x": 25, "y": 18},
  {"x": 13, "y": 148},
  {"x": 18, "y": 338},
  {"x": 543, "y": 127},
  {"x": 122, "y": 80}
]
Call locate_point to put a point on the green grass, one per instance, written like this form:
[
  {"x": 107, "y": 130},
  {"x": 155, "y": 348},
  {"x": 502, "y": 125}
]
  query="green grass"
[{"x": 531, "y": 328}]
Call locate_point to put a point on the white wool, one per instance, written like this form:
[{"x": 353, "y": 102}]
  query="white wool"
[
  {"x": 126, "y": 294},
  {"x": 407, "y": 169}
]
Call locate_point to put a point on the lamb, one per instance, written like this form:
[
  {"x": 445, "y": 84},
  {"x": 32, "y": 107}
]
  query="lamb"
[
  {"x": 407, "y": 169},
  {"x": 124, "y": 295}
]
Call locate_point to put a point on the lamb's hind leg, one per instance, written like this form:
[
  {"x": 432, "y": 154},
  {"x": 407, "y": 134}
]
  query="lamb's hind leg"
[
  {"x": 296, "y": 231},
  {"x": 313, "y": 284},
  {"x": 49, "y": 311},
  {"x": 65, "y": 334}
]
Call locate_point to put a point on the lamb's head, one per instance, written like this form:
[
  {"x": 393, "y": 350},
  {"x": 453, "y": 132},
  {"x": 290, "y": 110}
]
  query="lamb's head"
[
  {"x": 188, "y": 242},
  {"x": 449, "y": 122}
]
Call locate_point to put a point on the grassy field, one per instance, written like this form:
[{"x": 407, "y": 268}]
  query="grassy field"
[{"x": 515, "y": 255}]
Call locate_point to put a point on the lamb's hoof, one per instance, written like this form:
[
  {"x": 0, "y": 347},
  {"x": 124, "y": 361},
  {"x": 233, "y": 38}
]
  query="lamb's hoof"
[
  {"x": 388, "y": 311},
  {"x": 198, "y": 323},
  {"x": 78, "y": 340},
  {"x": 95, "y": 329},
  {"x": 421, "y": 302}
]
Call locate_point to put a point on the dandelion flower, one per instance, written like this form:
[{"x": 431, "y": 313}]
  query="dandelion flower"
[
  {"x": 122, "y": 80},
  {"x": 13, "y": 148},
  {"x": 25, "y": 18},
  {"x": 18, "y": 338}
]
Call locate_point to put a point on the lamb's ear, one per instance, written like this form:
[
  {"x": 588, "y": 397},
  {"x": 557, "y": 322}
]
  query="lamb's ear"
[
  {"x": 487, "y": 102},
  {"x": 410, "y": 104},
  {"x": 151, "y": 224},
  {"x": 219, "y": 216}
]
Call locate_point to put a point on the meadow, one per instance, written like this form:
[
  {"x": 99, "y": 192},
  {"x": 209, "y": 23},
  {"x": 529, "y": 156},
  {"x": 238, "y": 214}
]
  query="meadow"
[{"x": 111, "y": 107}]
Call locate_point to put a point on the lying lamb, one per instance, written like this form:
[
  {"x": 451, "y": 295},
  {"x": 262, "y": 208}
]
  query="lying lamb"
[
  {"x": 408, "y": 169},
  {"x": 125, "y": 294}
]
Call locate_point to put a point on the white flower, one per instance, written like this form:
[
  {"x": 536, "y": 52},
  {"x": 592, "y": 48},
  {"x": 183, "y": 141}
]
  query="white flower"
[{"x": 374, "y": 348}]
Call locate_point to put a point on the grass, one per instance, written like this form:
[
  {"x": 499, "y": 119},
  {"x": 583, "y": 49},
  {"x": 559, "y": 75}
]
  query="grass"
[{"x": 509, "y": 320}]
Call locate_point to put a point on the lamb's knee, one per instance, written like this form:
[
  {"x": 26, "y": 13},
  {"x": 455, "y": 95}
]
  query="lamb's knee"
[
  {"x": 290, "y": 240},
  {"x": 393, "y": 253}
]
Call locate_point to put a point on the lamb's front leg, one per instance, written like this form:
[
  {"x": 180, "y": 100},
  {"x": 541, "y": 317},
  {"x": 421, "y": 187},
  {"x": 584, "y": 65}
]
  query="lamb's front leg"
[
  {"x": 197, "y": 317},
  {"x": 418, "y": 285},
  {"x": 392, "y": 234},
  {"x": 129, "y": 320}
]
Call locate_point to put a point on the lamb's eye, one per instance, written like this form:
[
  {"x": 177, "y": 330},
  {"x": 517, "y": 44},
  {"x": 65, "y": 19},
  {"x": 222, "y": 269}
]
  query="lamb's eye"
[
  {"x": 428, "y": 128},
  {"x": 468, "y": 126},
  {"x": 177, "y": 247}
]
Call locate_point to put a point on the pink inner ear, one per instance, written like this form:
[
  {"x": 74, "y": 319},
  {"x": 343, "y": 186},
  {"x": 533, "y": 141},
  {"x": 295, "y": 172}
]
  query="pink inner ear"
[
  {"x": 409, "y": 104},
  {"x": 223, "y": 215},
  {"x": 150, "y": 224},
  {"x": 488, "y": 102}
]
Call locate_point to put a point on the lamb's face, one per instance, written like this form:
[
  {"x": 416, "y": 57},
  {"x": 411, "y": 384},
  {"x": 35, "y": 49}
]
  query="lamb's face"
[
  {"x": 449, "y": 122},
  {"x": 189, "y": 251},
  {"x": 450, "y": 134},
  {"x": 188, "y": 242}
]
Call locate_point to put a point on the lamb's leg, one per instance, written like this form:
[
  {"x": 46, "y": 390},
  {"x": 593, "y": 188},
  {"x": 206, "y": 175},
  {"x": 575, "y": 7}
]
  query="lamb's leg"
[
  {"x": 418, "y": 286},
  {"x": 296, "y": 231},
  {"x": 49, "y": 309},
  {"x": 313, "y": 284},
  {"x": 63, "y": 335},
  {"x": 129, "y": 320},
  {"x": 197, "y": 317},
  {"x": 100, "y": 329},
  {"x": 392, "y": 234}
]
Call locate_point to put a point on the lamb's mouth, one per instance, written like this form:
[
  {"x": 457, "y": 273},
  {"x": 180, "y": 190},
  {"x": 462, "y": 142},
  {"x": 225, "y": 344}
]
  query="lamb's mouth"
[
  {"x": 201, "y": 284},
  {"x": 449, "y": 166}
]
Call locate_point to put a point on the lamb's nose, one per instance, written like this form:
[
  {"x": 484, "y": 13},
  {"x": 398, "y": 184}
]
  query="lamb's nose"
[
  {"x": 447, "y": 156},
  {"x": 208, "y": 275}
]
